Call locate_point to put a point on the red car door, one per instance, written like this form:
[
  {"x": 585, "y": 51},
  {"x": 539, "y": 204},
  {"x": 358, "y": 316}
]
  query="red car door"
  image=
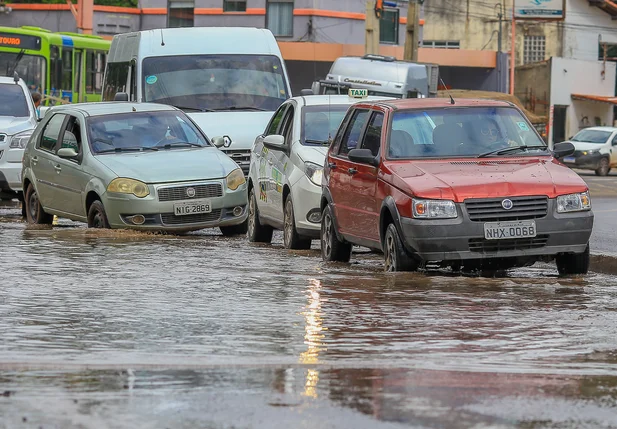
[
  {"x": 341, "y": 170},
  {"x": 364, "y": 207}
]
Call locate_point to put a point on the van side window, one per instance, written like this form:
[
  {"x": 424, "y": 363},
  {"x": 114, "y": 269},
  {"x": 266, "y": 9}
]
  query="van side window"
[{"x": 116, "y": 76}]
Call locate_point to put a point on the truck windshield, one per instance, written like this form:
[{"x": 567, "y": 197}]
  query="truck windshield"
[
  {"x": 29, "y": 67},
  {"x": 215, "y": 82},
  {"x": 592, "y": 136},
  {"x": 463, "y": 131},
  {"x": 13, "y": 101},
  {"x": 319, "y": 123}
]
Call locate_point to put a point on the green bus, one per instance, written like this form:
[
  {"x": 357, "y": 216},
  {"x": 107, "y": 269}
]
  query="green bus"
[{"x": 63, "y": 67}]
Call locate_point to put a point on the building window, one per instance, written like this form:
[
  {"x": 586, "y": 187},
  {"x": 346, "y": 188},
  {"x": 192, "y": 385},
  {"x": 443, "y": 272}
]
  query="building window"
[
  {"x": 388, "y": 26},
  {"x": 441, "y": 44},
  {"x": 234, "y": 6},
  {"x": 279, "y": 17},
  {"x": 181, "y": 14},
  {"x": 534, "y": 49}
]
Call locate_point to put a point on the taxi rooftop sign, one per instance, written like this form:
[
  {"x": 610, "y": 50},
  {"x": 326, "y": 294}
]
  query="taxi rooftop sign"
[{"x": 358, "y": 93}]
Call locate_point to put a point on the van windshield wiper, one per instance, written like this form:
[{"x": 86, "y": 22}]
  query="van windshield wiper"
[
  {"x": 193, "y": 108},
  {"x": 127, "y": 149},
  {"x": 508, "y": 149},
  {"x": 258, "y": 109},
  {"x": 318, "y": 142}
]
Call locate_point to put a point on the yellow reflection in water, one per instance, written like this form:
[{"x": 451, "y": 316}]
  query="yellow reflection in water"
[{"x": 313, "y": 336}]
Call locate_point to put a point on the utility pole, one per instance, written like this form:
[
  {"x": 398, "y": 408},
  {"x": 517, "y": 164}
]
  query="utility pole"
[
  {"x": 371, "y": 22},
  {"x": 513, "y": 50},
  {"x": 412, "y": 33},
  {"x": 500, "y": 15}
]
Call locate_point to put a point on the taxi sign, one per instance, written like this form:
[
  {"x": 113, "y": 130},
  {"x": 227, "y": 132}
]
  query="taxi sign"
[{"x": 358, "y": 93}]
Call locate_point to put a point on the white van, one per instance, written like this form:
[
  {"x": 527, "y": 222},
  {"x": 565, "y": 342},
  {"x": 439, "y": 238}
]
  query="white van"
[
  {"x": 381, "y": 76},
  {"x": 228, "y": 80}
]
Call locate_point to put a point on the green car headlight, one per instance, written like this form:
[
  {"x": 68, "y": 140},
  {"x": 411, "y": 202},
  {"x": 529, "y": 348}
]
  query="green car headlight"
[
  {"x": 235, "y": 179},
  {"x": 128, "y": 186}
]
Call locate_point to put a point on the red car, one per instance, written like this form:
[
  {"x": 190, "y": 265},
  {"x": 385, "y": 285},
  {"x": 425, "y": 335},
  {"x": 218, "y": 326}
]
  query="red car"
[{"x": 465, "y": 183}]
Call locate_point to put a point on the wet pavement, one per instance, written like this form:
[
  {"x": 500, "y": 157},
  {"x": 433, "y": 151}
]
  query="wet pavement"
[{"x": 102, "y": 329}]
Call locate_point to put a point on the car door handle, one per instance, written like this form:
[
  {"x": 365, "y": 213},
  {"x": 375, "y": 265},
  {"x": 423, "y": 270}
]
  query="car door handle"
[
  {"x": 35, "y": 159},
  {"x": 331, "y": 165},
  {"x": 270, "y": 162},
  {"x": 58, "y": 168},
  {"x": 352, "y": 171}
]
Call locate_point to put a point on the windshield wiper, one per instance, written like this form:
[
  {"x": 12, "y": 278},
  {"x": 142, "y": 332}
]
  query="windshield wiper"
[
  {"x": 17, "y": 60},
  {"x": 507, "y": 149},
  {"x": 319, "y": 142},
  {"x": 127, "y": 149},
  {"x": 169, "y": 145},
  {"x": 195, "y": 109},
  {"x": 258, "y": 109}
]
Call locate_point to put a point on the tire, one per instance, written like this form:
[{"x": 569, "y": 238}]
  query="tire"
[
  {"x": 395, "y": 256},
  {"x": 34, "y": 211},
  {"x": 603, "y": 167},
  {"x": 257, "y": 233},
  {"x": 231, "y": 231},
  {"x": 291, "y": 238},
  {"x": 573, "y": 263},
  {"x": 97, "y": 218},
  {"x": 332, "y": 250}
]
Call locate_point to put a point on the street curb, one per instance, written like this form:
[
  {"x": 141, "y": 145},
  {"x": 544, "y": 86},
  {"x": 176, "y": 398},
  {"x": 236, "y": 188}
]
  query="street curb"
[{"x": 603, "y": 264}]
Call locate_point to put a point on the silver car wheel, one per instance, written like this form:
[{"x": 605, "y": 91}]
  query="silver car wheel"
[
  {"x": 327, "y": 236},
  {"x": 288, "y": 228},
  {"x": 252, "y": 214},
  {"x": 390, "y": 260}
]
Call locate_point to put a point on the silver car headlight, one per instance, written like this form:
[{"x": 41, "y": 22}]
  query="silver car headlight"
[
  {"x": 433, "y": 209},
  {"x": 19, "y": 141},
  {"x": 573, "y": 202},
  {"x": 314, "y": 172}
]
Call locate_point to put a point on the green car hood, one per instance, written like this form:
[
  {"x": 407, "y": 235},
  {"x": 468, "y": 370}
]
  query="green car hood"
[{"x": 173, "y": 165}]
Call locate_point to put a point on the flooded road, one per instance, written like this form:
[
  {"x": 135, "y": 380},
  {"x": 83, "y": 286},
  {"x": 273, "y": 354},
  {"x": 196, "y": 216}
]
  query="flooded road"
[{"x": 121, "y": 329}]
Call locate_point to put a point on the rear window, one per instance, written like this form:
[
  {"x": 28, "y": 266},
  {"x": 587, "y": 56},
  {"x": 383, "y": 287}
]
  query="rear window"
[
  {"x": 463, "y": 131},
  {"x": 13, "y": 101},
  {"x": 320, "y": 123}
]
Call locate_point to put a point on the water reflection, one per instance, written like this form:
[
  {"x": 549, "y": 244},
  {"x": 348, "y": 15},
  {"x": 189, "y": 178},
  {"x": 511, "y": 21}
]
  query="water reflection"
[{"x": 313, "y": 337}]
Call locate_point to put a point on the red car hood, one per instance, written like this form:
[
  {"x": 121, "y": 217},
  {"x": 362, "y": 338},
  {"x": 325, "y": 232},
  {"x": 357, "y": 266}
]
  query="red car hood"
[{"x": 461, "y": 179}]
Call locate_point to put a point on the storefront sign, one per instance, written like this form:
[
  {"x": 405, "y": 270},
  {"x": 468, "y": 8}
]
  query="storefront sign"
[{"x": 539, "y": 9}]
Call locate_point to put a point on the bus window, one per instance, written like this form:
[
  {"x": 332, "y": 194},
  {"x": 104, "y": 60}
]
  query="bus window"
[
  {"x": 29, "y": 67},
  {"x": 100, "y": 69},
  {"x": 67, "y": 69},
  {"x": 56, "y": 68},
  {"x": 95, "y": 66},
  {"x": 117, "y": 75},
  {"x": 77, "y": 68}
]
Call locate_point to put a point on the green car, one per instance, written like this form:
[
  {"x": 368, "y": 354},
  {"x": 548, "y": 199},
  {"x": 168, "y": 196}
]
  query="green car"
[{"x": 131, "y": 165}]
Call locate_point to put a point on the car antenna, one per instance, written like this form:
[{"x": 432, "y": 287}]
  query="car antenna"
[
  {"x": 448, "y": 92},
  {"x": 16, "y": 77},
  {"x": 162, "y": 40}
]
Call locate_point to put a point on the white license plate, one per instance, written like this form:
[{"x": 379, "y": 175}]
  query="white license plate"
[
  {"x": 569, "y": 159},
  {"x": 505, "y": 230},
  {"x": 192, "y": 207}
]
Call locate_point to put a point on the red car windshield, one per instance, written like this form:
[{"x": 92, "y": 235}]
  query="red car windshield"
[{"x": 460, "y": 131}]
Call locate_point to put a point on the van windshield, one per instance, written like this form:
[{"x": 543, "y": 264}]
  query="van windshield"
[
  {"x": 13, "y": 101},
  {"x": 463, "y": 131},
  {"x": 215, "y": 82}
]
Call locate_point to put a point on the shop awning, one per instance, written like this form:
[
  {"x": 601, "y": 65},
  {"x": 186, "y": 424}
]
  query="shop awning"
[{"x": 597, "y": 98}]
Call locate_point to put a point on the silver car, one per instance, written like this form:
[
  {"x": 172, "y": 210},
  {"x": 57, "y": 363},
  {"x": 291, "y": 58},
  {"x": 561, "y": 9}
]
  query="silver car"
[{"x": 131, "y": 165}]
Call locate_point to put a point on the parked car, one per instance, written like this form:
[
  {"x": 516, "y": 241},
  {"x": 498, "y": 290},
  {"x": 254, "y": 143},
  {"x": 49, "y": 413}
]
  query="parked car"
[
  {"x": 595, "y": 149},
  {"x": 459, "y": 182},
  {"x": 131, "y": 165},
  {"x": 18, "y": 119},
  {"x": 286, "y": 167}
]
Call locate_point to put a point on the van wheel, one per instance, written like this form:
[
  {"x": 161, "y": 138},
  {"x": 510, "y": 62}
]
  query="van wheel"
[
  {"x": 603, "y": 167},
  {"x": 396, "y": 258},
  {"x": 233, "y": 230},
  {"x": 291, "y": 238},
  {"x": 257, "y": 233},
  {"x": 573, "y": 263},
  {"x": 97, "y": 218},
  {"x": 332, "y": 250},
  {"x": 34, "y": 211}
]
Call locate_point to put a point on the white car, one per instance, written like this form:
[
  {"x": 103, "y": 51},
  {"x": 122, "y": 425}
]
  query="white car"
[
  {"x": 286, "y": 167},
  {"x": 18, "y": 118},
  {"x": 595, "y": 149}
]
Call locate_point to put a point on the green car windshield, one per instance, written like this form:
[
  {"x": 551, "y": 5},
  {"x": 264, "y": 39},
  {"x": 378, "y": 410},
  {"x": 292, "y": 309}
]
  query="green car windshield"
[
  {"x": 143, "y": 131},
  {"x": 462, "y": 131}
]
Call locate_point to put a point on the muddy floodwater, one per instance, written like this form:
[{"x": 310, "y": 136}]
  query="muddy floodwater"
[{"x": 106, "y": 329}]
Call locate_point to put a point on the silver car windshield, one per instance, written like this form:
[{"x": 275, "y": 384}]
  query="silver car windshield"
[
  {"x": 215, "y": 82},
  {"x": 140, "y": 131},
  {"x": 462, "y": 131},
  {"x": 13, "y": 101}
]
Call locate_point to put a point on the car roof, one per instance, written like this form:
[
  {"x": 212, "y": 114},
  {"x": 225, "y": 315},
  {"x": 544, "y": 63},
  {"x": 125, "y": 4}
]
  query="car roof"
[
  {"x": 432, "y": 103},
  {"x": 112, "y": 107},
  {"x": 611, "y": 129},
  {"x": 324, "y": 100}
]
